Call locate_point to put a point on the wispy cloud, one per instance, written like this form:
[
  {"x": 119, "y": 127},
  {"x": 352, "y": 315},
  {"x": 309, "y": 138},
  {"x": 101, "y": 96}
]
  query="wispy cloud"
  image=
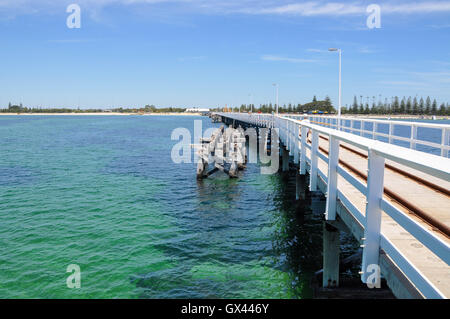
[
  {"x": 317, "y": 50},
  {"x": 276, "y": 58},
  {"x": 258, "y": 7},
  {"x": 71, "y": 41},
  {"x": 402, "y": 83},
  {"x": 191, "y": 58},
  {"x": 321, "y": 8}
]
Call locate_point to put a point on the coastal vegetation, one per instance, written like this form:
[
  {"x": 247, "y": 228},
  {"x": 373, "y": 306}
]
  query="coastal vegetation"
[
  {"x": 147, "y": 109},
  {"x": 397, "y": 106},
  {"x": 405, "y": 106}
]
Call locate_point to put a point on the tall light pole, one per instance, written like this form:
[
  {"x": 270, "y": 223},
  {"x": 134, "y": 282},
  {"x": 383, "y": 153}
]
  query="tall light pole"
[
  {"x": 340, "y": 84},
  {"x": 251, "y": 103},
  {"x": 276, "y": 86}
]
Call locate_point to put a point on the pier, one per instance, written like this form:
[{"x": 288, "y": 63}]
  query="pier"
[{"x": 394, "y": 199}]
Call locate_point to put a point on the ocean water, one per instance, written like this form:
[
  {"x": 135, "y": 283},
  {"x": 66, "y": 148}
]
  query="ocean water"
[{"x": 102, "y": 192}]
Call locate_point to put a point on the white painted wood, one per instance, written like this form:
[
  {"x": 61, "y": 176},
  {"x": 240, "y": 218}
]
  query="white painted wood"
[
  {"x": 304, "y": 130},
  {"x": 333, "y": 161},
  {"x": 314, "y": 161},
  {"x": 372, "y": 226}
]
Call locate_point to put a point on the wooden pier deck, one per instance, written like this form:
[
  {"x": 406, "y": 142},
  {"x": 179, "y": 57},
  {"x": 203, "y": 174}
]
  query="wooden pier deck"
[{"x": 407, "y": 230}]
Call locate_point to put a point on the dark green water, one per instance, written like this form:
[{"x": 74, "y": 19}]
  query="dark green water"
[{"x": 103, "y": 193}]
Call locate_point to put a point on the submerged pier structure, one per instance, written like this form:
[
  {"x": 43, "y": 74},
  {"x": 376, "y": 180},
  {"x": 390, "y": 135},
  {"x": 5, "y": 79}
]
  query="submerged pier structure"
[
  {"x": 384, "y": 188},
  {"x": 225, "y": 149}
]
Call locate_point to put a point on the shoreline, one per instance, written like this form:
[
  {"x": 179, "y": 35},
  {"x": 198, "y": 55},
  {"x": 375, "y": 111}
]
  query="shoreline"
[
  {"x": 362, "y": 116},
  {"x": 100, "y": 114}
]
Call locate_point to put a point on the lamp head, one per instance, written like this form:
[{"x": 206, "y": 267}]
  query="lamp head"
[{"x": 333, "y": 49}]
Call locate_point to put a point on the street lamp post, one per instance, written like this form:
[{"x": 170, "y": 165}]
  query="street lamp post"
[
  {"x": 276, "y": 86},
  {"x": 340, "y": 84}
]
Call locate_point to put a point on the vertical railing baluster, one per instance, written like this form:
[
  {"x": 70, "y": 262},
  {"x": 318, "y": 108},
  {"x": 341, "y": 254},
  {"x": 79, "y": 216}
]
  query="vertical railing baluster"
[
  {"x": 372, "y": 228},
  {"x": 413, "y": 136},
  {"x": 296, "y": 135},
  {"x": 333, "y": 162},
  {"x": 391, "y": 132},
  {"x": 303, "y": 151},
  {"x": 444, "y": 141},
  {"x": 375, "y": 130},
  {"x": 314, "y": 162}
]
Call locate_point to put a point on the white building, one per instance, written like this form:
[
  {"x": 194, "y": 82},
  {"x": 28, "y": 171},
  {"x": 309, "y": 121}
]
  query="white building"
[{"x": 196, "y": 110}]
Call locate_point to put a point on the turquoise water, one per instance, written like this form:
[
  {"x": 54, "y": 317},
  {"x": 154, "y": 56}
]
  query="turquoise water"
[{"x": 103, "y": 193}]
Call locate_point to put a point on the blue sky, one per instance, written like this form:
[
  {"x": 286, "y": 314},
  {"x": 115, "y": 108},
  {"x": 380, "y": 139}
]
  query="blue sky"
[{"x": 213, "y": 53}]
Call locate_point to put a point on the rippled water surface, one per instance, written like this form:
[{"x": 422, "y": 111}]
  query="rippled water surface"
[{"x": 103, "y": 193}]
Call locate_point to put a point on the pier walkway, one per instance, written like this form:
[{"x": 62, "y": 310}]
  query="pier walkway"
[{"x": 395, "y": 200}]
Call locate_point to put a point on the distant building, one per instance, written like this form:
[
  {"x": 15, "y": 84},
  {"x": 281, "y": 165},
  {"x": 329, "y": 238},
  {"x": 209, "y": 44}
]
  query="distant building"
[{"x": 197, "y": 110}]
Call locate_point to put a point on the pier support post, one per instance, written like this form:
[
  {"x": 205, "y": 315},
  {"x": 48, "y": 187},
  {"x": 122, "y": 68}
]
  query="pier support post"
[
  {"x": 300, "y": 192},
  {"x": 330, "y": 256},
  {"x": 285, "y": 159}
]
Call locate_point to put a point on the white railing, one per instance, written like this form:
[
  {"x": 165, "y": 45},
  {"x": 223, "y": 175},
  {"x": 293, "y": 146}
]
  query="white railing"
[
  {"x": 378, "y": 152},
  {"x": 415, "y": 131}
]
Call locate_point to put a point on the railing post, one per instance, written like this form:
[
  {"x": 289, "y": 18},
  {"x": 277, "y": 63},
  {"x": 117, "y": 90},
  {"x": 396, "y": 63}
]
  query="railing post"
[
  {"x": 375, "y": 126},
  {"x": 289, "y": 143},
  {"x": 287, "y": 135},
  {"x": 375, "y": 188},
  {"x": 333, "y": 162},
  {"x": 303, "y": 151},
  {"x": 413, "y": 136},
  {"x": 293, "y": 139},
  {"x": 391, "y": 132},
  {"x": 296, "y": 135},
  {"x": 444, "y": 142},
  {"x": 313, "y": 172}
]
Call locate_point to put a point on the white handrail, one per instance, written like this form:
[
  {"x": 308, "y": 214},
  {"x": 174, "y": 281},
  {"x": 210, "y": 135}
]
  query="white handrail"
[{"x": 413, "y": 139}]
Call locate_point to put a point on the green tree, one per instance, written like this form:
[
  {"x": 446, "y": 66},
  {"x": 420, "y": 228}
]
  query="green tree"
[
  {"x": 434, "y": 107},
  {"x": 415, "y": 107},
  {"x": 355, "y": 105},
  {"x": 421, "y": 106},
  {"x": 409, "y": 106},
  {"x": 396, "y": 106},
  {"x": 442, "y": 109},
  {"x": 428, "y": 106}
]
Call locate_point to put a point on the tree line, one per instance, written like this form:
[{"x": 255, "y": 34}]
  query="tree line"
[
  {"x": 410, "y": 106},
  {"x": 316, "y": 105}
]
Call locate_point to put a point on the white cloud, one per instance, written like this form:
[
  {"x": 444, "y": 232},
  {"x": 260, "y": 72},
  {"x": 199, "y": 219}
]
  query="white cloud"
[
  {"x": 276, "y": 58},
  {"x": 317, "y": 50},
  {"x": 403, "y": 83},
  {"x": 321, "y": 8}
]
